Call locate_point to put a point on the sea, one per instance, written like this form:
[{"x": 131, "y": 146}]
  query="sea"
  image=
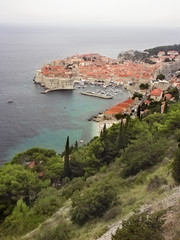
[{"x": 45, "y": 120}]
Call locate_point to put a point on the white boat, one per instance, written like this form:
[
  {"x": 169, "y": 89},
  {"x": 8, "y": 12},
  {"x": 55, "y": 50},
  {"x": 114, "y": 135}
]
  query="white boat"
[{"x": 10, "y": 101}]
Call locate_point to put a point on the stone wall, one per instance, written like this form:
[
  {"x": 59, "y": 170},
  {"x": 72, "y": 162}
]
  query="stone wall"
[{"x": 54, "y": 83}]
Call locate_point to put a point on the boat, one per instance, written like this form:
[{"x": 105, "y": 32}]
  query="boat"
[
  {"x": 10, "y": 101},
  {"x": 81, "y": 141}
]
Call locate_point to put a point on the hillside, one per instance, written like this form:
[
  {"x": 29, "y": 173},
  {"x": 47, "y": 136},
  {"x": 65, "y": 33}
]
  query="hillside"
[
  {"x": 154, "y": 51},
  {"x": 133, "y": 166},
  {"x": 145, "y": 56}
]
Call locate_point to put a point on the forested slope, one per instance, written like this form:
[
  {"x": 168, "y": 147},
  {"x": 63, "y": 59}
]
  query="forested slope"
[{"x": 129, "y": 165}]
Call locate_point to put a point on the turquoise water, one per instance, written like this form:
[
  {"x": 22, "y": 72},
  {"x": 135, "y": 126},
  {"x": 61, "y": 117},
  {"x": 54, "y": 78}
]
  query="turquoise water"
[
  {"x": 48, "y": 120},
  {"x": 45, "y": 120}
]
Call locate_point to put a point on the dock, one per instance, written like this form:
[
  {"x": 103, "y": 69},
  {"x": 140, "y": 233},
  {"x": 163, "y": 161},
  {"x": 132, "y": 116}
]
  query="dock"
[{"x": 97, "y": 95}]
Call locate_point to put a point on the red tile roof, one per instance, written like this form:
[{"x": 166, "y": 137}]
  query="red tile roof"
[
  {"x": 156, "y": 92},
  {"x": 168, "y": 96},
  {"x": 147, "y": 102},
  {"x": 31, "y": 164},
  {"x": 101, "y": 67},
  {"x": 122, "y": 107}
]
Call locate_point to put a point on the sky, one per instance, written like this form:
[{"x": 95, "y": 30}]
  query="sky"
[{"x": 160, "y": 13}]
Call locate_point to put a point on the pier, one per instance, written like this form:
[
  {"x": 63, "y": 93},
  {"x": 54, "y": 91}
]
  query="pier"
[{"x": 97, "y": 95}]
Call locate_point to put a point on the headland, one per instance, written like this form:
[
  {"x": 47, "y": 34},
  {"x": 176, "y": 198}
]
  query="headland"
[
  {"x": 93, "y": 68},
  {"x": 140, "y": 76}
]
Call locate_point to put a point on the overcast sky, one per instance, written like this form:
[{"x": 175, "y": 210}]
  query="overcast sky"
[{"x": 91, "y": 12}]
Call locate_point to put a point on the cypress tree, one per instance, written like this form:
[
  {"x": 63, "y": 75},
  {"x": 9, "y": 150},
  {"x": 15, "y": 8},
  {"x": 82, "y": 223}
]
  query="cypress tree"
[
  {"x": 103, "y": 132},
  {"x": 121, "y": 136},
  {"x": 126, "y": 133},
  {"x": 138, "y": 112},
  {"x": 165, "y": 107},
  {"x": 66, "y": 159},
  {"x": 76, "y": 146}
]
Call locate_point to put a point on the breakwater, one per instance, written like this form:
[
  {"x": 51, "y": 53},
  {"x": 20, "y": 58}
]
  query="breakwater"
[{"x": 96, "y": 95}]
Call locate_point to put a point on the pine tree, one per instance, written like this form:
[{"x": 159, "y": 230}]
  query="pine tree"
[{"x": 66, "y": 159}]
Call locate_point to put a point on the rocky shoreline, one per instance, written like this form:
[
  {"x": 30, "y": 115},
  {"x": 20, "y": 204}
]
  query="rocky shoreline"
[{"x": 101, "y": 121}]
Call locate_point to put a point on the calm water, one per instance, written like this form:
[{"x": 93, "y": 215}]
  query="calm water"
[{"x": 34, "y": 119}]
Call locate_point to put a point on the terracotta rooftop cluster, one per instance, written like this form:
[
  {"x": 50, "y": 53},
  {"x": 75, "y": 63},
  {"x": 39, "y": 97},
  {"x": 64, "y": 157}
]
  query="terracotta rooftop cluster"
[
  {"x": 96, "y": 66},
  {"x": 107, "y": 68},
  {"x": 120, "y": 108},
  {"x": 55, "y": 71},
  {"x": 161, "y": 56}
]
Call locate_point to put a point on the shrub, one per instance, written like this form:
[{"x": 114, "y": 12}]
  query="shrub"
[
  {"x": 92, "y": 203},
  {"x": 112, "y": 213},
  {"x": 155, "y": 183},
  {"x": 160, "y": 76},
  {"x": 144, "y": 86},
  {"x": 61, "y": 232},
  {"x": 48, "y": 201},
  {"x": 75, "y": 184},
  {"x": 141, "y": 226},
  {"x": 138, "y": 95},
  {"x": 176, "y": 166},
  {"x": 103, "y": 169}
]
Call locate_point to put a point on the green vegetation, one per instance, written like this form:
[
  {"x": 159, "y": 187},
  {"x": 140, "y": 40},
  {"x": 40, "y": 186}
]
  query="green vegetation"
[
  {"x": 144, "y": 86},
  {"x": 93, "y": 203},
  {"x": 66, "y": 159},
  {"x": 152, "y": 107},
  {"x": 174, "y": 92},
  {"x": 143, "y": 153},
  {"x": 17, "y": 182},
  {"x": 176, "y": 166},
  {"x": 160, "y": 77},
  {"x": 61, "y": 232},
  {"x": 141, "y": 226},
  {"x": 154, "y": 51},
  {"x": 44, "y": 162},
  {"x": 149, "y": 61},
  {"x": 138, "y": 95},
  {"x": 47, "y": 202},
  {"x": 111, "y": 176},
  {"x": 132, "y": 55}
]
